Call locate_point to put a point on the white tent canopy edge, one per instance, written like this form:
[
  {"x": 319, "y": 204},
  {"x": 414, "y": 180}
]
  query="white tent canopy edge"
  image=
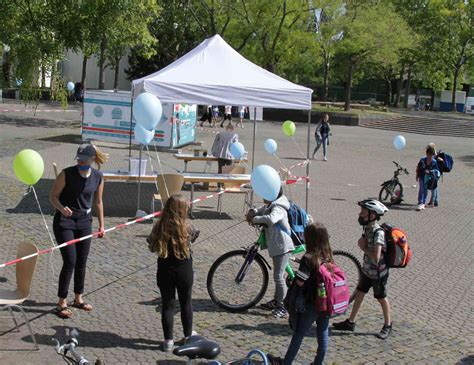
[{"x": 214, "y": 73}]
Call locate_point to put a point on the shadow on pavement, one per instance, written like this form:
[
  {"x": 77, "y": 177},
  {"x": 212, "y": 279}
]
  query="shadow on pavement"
[
  {"x": 33, "y": 121},
  {"x": 64, "y": 138},
  {"x": 278, "y": 327},
  {"x": 468, "y": 360},
  {"x": 403, "y": 207},
  {"x": 468, "y": 160},
  {"x": 96, "y": 339}
]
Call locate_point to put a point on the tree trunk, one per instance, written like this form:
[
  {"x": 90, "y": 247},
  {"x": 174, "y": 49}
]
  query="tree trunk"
[
  {"x": 389, "y": 91},
  {"x": 399, "y": 87},
  {"x": 117, "y": 69},
  {"x": 102, "y": 65},
  {"x": 43, "y": 74},
  {"x": 6, "y": 67},
  {"x": 407, "y": 88},
  {"x": 84, "y": 71},
  {"x": 326, "y": 78},
  {"x": 53, "y": 76},
  {"x": 455, "y": 86},
  {"x": 350, "y": 74}
]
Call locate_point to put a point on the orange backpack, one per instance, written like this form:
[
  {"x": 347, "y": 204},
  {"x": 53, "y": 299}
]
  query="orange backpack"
[{"x": 397, "y": 252}]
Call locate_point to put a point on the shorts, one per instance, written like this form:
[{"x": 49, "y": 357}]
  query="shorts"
[
  {"x": 242, "y": 115},
  {"x": 379, "y": 285}
]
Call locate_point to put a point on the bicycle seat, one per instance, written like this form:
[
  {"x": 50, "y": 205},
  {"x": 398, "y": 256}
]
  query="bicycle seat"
[{"x": 197, "y": 347}]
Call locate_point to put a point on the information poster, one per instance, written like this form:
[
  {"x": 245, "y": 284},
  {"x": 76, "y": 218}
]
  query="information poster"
[{"x": 107, "y": 116}]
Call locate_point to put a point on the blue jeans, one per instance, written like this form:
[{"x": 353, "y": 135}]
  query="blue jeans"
[
  {"x": 324, "y": 140},
  {"x": 434, "y": 196},
  {"x": 303, "y": 324},
  {"x": 422, "y": 192}
]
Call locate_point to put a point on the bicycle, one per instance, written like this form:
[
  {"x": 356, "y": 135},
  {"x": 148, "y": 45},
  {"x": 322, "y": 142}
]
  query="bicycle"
[
  {"x": 238, "y": 279},
  {"x": 392, "y": 190}
]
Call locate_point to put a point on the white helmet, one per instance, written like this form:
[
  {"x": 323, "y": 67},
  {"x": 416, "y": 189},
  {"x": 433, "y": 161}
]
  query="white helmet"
[{"x": 374, "y": 206}]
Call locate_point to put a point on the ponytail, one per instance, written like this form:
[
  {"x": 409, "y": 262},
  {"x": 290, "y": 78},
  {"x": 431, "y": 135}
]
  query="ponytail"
[{"x": 100, "y": 157}]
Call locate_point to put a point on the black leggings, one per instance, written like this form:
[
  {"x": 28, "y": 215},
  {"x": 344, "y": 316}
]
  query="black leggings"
[
  {"x": 171, "y": 279},
  {"x": 74, "y": 256}
]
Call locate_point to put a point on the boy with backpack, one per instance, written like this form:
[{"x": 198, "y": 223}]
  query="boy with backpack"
[{"x": 375, "y": 269}]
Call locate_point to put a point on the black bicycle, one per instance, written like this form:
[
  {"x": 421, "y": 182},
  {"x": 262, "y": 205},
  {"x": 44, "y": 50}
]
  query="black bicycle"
[
  {"x": 392, "y": 190},
  {"x": 238, "y": 279}
]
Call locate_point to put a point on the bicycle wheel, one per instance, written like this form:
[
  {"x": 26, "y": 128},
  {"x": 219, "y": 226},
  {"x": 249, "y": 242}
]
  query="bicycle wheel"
[
  {"x": 391, "y": 193},
  {"x": 351, "y": 266},
  {"x": 223, "y": 287}
]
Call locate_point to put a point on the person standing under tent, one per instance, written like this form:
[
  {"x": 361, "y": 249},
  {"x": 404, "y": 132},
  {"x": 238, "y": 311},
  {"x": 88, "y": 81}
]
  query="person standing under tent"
[
  {"x": 227, "y": 115},
  {"x": 242, "y": 110}
]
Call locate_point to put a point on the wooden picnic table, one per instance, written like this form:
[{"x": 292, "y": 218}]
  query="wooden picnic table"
[
  {"x": 189, "y": 177},
  {"x": 186, "y": 157}
]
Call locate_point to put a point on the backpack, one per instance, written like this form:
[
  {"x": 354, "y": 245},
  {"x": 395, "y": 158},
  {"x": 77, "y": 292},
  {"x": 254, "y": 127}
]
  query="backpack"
[
  {"x": 298, "y": 220},
  {"x": 447, "y": 164},
  {"x": 397, "y": 252},
  {"x": 337, "y": 297}
]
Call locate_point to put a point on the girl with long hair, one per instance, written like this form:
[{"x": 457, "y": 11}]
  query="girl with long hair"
[
  {"x": 318, "y": 252},
  {"x": 170, "y": 239}
]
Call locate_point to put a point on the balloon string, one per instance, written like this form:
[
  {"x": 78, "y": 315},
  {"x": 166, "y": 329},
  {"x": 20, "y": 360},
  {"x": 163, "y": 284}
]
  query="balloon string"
[
  {"x": 161, "y": 169},
  {"x": 51, "y": 264},
  {"x": 152, "y": 168},
  {"x": 298, "y": 147}
]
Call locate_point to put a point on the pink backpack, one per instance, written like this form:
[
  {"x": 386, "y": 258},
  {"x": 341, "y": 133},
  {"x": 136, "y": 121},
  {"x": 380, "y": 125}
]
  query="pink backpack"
[{"x": 337, "y": 291}]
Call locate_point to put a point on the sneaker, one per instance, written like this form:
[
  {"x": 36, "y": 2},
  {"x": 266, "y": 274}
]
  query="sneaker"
[
  {"x": 385, "y": 332},
  {"x": 167, "y": 345},
  {"x": 344, "y": 326},
  {"x": 420, "y": 207},
  {"x": 271, "y": 305},
  {"x": 280, "y": 312},
  {"x": 436, "y": 204},
  {"x": 184, "y": 339},
  {"x": 325, "y": 158}
]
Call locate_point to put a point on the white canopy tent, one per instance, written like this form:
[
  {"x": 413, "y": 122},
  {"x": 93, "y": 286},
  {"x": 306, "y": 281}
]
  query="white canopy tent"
[{"x": 215, "y": 73}]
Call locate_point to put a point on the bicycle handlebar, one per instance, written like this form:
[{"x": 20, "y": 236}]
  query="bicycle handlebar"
[{"x": 401, "y": 168}]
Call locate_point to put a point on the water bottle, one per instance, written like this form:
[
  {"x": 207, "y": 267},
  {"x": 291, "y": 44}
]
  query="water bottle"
[{"x": 322, "y": 296}]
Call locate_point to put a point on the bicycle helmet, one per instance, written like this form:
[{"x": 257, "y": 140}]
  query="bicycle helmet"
[{"x": 374, "y": 206}]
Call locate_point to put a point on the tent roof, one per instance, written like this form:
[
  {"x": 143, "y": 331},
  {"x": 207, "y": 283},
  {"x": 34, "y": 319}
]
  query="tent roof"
[{"x": 215, "y": 73}]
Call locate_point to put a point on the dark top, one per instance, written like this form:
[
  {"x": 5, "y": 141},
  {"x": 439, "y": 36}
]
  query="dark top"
[
  {"x": 307, "y": 273},
  {"x": 78, "y": 193}
]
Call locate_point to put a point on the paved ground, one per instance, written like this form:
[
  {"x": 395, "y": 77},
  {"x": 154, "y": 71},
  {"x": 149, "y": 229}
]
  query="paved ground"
[{"x": 431, "y": 299}]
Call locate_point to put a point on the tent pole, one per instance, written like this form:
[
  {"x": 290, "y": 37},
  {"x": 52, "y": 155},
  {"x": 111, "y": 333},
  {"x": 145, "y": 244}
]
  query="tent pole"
[
  {"x": 307, "y": 156},
  {"x": 130, "y": 137},
  {"x": 253, "y": 146}
]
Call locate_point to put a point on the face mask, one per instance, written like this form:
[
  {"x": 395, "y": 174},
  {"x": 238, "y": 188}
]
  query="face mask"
[
  {"x": 83, "y": 167},
  {"x": 363, "y": 222}
]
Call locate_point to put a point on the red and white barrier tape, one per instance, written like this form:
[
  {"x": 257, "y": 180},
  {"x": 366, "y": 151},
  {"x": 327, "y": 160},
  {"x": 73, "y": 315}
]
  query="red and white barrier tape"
[{"x": 138, "y": 220}]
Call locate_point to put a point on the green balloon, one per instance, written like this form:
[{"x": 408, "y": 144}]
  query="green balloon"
[
  {"x": 289, "y": 128},
  {"x": 28, "y": 166}
]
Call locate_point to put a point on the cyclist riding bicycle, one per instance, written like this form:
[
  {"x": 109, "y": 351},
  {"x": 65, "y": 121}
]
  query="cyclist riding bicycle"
[{"x": 274, "y": 216}]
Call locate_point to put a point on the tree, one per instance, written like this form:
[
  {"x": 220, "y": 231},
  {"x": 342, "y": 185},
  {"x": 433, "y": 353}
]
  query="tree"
[{"x": 368, "y": 37}]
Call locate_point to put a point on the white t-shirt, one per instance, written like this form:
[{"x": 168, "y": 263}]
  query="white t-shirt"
[
  {"x": 242, "y": 109},
  {"x": 228, "y": 109}
]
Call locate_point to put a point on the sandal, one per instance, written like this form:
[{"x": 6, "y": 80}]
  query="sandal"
[
  {"x": 83, "y": 306},
  {"x": 63, "y": 312}
]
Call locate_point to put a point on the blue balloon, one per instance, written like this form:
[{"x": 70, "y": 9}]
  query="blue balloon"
[
  {"x": 266, "y": 182},
  {"x": 399, "y": 142},
  {"x": 143, "y": 135},
  {"x": 271, "y": 146},
  {"x": 70, "y": 86},
  {"x": 237, "y": 150},
  {"x": 147, "y": 110}
]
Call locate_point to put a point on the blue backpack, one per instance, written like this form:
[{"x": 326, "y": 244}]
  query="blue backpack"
[
  {"x": 298, "y": 220},
  {"x": 447, "y": 164}
]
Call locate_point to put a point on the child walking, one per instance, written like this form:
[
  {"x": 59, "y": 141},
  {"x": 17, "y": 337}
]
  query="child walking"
[
  {"x": 318, "y": 251},
  {"x": 274, "y": 217},
  {"x": 374, "y": 270},
  {"x": 427, "y": 175},
  {"x": 322, "y": 136},
  {"x": 170, "y": 239}
]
